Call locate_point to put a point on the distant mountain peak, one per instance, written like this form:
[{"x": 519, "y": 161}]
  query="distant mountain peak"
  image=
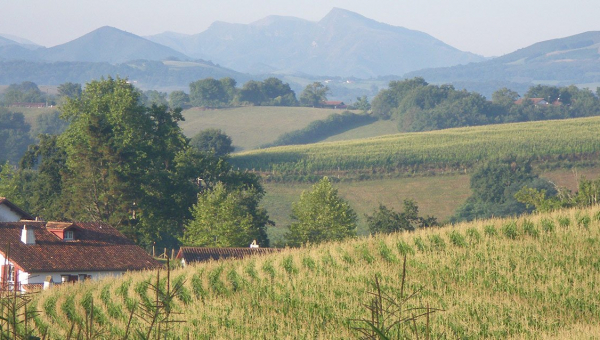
[{"x": 339, "y": 14}]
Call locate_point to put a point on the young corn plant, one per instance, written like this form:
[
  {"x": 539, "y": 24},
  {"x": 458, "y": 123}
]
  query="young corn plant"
[
  {"x": 158, "y": 314},
  {"x": 391, "y": 317}
]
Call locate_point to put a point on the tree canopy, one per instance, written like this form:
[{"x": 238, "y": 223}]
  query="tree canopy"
[
  {"x": 214, "y": 141},
  {"x": 120, "y": 162},
  {"x": 494, "y": 186},
  {"x": 321, "y": 215},
  {"x": 227, "y": 218},
  {"x": 314, "y": 94}
]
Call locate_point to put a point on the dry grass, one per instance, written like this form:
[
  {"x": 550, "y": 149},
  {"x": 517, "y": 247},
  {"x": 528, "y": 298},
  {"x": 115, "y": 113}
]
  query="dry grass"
[
  {"x": 540, "y": 282},
  {"x": 252, "y": 126}
]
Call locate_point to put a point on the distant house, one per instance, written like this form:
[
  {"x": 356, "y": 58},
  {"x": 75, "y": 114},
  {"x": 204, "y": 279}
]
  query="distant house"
[
  {"x": 34, "y": 252},
  {"x": 331, "y": 104},
  {"x": 28, "y": 105},
  {"x": 9, "y": 212},
  {"x": 189, "y": 255},
  {"x": 535, "y": 101}
]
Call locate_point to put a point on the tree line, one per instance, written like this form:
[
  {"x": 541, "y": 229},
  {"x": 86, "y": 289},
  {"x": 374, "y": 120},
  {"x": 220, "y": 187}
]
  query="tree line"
[
  {"x": 416, "y": 105},
  {"x": 128, "y": 164}
]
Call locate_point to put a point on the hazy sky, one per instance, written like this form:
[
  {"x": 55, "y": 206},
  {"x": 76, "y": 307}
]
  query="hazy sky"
[{"x": 486, "y": 27}]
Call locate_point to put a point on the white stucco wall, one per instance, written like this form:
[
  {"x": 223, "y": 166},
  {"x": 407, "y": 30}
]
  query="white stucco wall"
[
  {"x": 7, "y": 215},
  {"x": 40, "y": 277}
]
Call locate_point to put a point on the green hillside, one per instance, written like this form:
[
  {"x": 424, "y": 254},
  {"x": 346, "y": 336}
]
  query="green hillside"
[
  {"x": 452, "y": 149},
  {"x": 252, "y": 126},
  {"x": 532, "y": 277}
]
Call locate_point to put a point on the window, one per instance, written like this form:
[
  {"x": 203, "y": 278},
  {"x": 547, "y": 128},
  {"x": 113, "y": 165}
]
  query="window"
[
  {"x": 69, "y": 235},
  {"x": 11, "y": 273}
]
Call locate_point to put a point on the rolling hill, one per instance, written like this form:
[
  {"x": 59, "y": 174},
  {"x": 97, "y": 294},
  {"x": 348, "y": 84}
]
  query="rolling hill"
[
  {"x": 343, "y": 43},
  {"x": 252, "y": 126},
  {"x": 565, "y": 61},
  {"x": 434, "y": 151}
]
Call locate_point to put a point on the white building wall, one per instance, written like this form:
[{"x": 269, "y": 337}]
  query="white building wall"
[
  {"x": 7, "y": 215},
  {"x": 40, "y": 277}
]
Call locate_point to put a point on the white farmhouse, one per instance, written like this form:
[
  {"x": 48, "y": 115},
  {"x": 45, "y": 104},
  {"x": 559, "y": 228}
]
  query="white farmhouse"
[
  {"x": 32, "y": 252},
  {"x": 11, "y": 213}
]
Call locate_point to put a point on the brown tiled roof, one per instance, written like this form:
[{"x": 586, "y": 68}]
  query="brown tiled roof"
[
  {"x": 332, "y": 102},
  {"x": 96, "y": 247},
  {"x": 13, "y": 207},
  {"x": 202, "y": 254},
  {"x": 59, "y": 225}
]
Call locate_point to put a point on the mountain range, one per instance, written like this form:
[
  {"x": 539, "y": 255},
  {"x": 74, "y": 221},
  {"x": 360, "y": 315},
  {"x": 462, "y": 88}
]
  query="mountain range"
[
  {"x": 343, "y": 44},
  {"x": 564, "y": 61}
]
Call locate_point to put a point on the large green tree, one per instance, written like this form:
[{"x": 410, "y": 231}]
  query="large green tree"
[
  {"x": 314, "y": 94},
  {"x": 26, "y": 92},
  {"x": 321, "y": 215},
  {"x": 494, "y": 186},
  {"x": 214, "y": 141},
  {"x": 123, "y": 157},
  {"x": 227, "y": 218},
  {"x": 385, "y": 221},
  {"x": 208, "y": 92}
]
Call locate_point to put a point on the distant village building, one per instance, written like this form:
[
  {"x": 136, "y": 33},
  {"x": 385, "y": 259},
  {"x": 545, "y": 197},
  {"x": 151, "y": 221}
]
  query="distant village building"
[
  {"x": 189, "y": 255},
  {"x": 538, "y": 101},
  {"x": 332, "y": 104},
  {"x": 29, "y": 105}
]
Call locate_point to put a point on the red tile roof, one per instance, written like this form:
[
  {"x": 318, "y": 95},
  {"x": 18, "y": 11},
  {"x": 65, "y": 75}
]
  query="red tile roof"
[
  {"x": 96, "y": 247},
  {"x": 202, "y": 254},
  {"x": 13, "y": 207}
]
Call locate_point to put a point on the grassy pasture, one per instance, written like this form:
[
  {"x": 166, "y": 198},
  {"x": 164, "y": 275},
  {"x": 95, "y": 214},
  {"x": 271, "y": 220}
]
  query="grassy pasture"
[
  {"x": 437, "y": 195},
  {"x": 532, "y": 277},
  {"x": 375, "y": 129},
  {"x": 445, "y": 149},
  {"x": 252, "y": 126}
]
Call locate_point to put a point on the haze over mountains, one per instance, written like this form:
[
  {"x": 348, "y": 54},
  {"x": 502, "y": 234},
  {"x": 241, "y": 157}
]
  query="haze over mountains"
[
  {"x": 566, "y": 61},
  {"x": 343, "y": 44}
]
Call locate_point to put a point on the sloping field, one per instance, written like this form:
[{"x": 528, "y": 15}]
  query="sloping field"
[
  {"x": 251, "y": 126},
  {"x": 438, "y": 196},
  {"x": 533, "y": 277},
  {"x": 445, "y": 149}
]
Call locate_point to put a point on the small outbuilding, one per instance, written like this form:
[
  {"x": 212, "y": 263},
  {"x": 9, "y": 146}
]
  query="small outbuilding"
[{"x": 189, "y": 255}]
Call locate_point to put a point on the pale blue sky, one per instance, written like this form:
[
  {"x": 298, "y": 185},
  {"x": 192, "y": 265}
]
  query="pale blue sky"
[{"x": 486, "y": 27}]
